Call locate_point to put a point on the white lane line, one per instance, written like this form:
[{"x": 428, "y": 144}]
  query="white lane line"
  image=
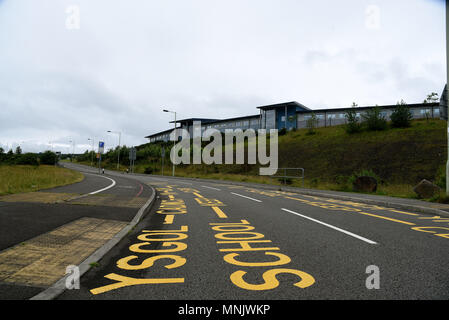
[
  {"x": 240, "y": 195},
  {"x": 211, "y": 188},
  {"x": 104, "y": 189},
  {"x": 332, "y": 227}
]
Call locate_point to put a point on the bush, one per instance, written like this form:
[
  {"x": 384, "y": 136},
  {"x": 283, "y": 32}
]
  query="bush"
[
  {"x": 48, "y": 157},
  {"x": 27, "y": 159},
  {"x": 364, "y": 173},
  {"x": 401, "y": 116},
  {"x": 282, "y": 132},
  {"x": 148, "y": 170},
  {"x": 374, "y": 120},
  {"x": 352, "y": 121},
  {"x": 312, "y": 123}
]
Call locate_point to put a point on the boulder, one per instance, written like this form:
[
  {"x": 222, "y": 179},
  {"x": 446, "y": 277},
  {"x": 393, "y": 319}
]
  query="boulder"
[
  {"x": 365, "y": 184},
  {"x": 426, "y": 189}
]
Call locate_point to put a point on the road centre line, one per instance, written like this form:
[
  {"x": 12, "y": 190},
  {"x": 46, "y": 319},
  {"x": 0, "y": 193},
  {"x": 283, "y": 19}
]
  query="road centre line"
[
  {"x": 331, "y": 226},
  {"x": 240, "y": 195},
  {"x": 211, "y": 188}
]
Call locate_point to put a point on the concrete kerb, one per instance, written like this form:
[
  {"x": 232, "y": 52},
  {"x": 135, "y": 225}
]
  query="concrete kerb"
[
  {"x": 60, "y": 286},
  {"x": 378, "y": 202}
]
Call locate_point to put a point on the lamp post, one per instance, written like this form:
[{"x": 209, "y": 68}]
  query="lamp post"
[
  {"x": 92, "y": 155},
  {"x": 176, "y": 137},
  {"x": 119, "y": 138},
  {"x": 447, "y": 83},
  {"x": 73, "y": 149}
]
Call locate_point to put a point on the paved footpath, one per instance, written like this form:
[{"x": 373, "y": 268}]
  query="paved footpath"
[
  {"x": 208, "y": 240},
  {"x": 41, "y": 233}
]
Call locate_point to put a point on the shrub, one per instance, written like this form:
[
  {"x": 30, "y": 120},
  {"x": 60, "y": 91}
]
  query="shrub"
[
  {"x": 352, "y": 121},
  {"x": 148, "y": 170},
  {"x": 282, "y": 132},
  {"x": 374, "y": 120},
  {"x": 27, "y": 159},
  {"x": 48, "y": 157},
  {"x": 312, "y": 123},
  {"x": 401, "y": 116}
]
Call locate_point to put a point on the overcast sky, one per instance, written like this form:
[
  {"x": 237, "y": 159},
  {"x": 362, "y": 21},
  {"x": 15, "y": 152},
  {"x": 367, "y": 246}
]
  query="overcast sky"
[{"x": 125, "y": 61}]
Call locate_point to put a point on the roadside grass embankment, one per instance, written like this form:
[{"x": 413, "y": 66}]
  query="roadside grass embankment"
[{"x": 25, "y": 178}]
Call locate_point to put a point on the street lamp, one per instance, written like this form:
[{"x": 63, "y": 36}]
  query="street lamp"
[
  {"x": 447, "y": 84},
  {"x": 174, "y": 140},
  {"x": 119, "y": 138},
  {"x": 92, "y": 156},
  {"x": 73, "y": 149}
]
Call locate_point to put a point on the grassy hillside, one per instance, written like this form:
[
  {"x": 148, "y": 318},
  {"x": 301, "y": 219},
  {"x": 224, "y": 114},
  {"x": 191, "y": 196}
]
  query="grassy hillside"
[
  {"x": 394, "y": 155},
  {"x": 23, "y": 178},
  {"x": 331, "y": 157}
]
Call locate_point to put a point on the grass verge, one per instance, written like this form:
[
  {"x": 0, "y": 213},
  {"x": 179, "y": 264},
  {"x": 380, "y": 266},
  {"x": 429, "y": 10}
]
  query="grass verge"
[{"x": 22, "y": 178}]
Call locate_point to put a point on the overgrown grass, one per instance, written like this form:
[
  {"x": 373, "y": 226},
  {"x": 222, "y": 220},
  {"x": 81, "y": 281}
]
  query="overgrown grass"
[{"x": 22, "y": 178}]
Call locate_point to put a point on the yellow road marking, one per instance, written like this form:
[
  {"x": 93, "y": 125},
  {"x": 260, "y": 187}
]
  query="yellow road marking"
[
  {"x": 169, "y": 219},
  {"x": 403, "y": 212},
  {"x": 198, "y": 195},
  {"x": 219, "y": 212},
  {"x": 386, "y": 218},
  {"x": 123, "y": 281},
  {"x": 325, "y": 206}
]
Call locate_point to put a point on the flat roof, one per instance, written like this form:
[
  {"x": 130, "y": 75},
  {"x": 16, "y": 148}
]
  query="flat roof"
[
  {"x": 205, "y": 120},
  {"x": 236, "y": 118},
  {"x": 159, "y": 133},
  {"x": 392, "y": 106},
  {"x": 283, "y": 105}
]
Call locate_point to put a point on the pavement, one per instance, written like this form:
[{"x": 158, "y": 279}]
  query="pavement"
[
  {"x": 41, "y": 233},
  {"x": 209, "y": 240}
]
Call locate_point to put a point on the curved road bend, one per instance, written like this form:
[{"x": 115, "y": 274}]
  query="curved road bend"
[{"x": 218, "y": 241}]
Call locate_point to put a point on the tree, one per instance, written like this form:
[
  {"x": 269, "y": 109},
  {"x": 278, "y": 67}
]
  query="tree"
[
  {"x": 432, "y": 98},
  {"x": 352, "y": 120},
  {"x": 18, "y": 150},
  {"x": 374, "y": 120},
  {"x": 401, "y": 116}
]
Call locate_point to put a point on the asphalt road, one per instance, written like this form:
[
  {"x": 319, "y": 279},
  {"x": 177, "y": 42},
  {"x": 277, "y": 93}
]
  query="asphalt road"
[
  {"x": 24, "y": 218},
  {"x": 207, "y": 241}
]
